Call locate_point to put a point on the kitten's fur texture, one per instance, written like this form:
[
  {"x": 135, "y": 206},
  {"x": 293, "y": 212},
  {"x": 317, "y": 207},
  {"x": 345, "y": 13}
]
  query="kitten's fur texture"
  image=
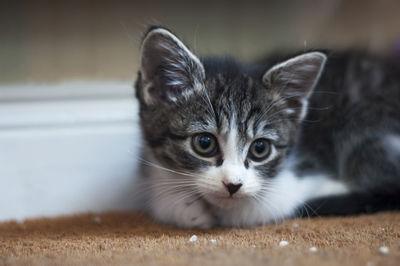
[{"x": 332, "y": 127}]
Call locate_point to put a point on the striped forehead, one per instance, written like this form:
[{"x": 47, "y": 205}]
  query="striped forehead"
[
  {"x": 233, "y": 143},
  {"x": 237, "y": 110},
  {"x": 245, "y": 125}
]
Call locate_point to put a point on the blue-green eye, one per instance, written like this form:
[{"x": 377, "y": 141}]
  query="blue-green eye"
[
  {"x": 204, "y": 144},
  {"x": 259, "y": 150}
]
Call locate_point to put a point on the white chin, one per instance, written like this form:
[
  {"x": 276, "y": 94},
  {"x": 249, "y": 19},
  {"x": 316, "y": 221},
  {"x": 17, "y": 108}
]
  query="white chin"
[{"x": 222, "y": 202}]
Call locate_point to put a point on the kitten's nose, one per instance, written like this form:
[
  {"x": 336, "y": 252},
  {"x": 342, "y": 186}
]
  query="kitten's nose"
[{"x": 233, "y": 188}]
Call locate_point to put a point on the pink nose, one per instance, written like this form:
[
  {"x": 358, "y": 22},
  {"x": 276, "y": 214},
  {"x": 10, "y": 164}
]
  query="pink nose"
[{"x": 233, "y": 188}]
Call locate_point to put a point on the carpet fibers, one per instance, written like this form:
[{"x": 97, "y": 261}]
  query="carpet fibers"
[{"x": 134, "y": 239}]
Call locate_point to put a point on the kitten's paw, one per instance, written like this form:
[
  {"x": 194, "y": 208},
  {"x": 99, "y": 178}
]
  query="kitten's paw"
[{"x": 195, "y": 214}]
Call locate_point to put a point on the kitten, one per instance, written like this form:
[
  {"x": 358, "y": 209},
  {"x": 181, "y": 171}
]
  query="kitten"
[{"x": 229, "y": 144}]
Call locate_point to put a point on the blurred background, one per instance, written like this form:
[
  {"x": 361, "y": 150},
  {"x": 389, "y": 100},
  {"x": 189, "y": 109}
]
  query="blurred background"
[
  {"x": 69, "y": 137},
  {"x": 45, "y": 41}
]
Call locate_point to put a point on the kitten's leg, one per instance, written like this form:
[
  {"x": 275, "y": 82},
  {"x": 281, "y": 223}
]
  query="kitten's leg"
[
  {"x": 354, "y": 203},
  {"x": 371, "y": 168}
]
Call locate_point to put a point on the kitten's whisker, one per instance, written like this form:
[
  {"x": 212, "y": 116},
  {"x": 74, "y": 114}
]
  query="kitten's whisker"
[
  {"x": 272, "y": 188},
  {"x": 292, "y": 120},
  {"x": 282, "y": 111},
  {"x": 148, "y": 163},
  {"x": 172, "y": 191},
  {"x": 298, "y": 108},
  {"x": 272, "y": 104},
  {"x": 193, "y": 195},
  {"x": 325, "y": 92},
  {"x": 209, "y": 104},
  {"x": 314, "y": 211},
  {"x": 304, "y": 205},
  {"x": 261, "y": 200}
]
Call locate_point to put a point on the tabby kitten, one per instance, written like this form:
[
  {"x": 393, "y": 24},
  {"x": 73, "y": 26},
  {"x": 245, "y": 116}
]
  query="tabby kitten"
[{"x": 230, "y": 144}]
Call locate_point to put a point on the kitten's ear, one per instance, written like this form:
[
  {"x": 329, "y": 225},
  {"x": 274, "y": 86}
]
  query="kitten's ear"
[
  {"x": 169, "y": 71},
  {"x": 295, "y": 79}
]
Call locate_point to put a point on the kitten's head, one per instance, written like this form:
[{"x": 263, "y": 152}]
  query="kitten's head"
[{"x": 225, "y": 127}]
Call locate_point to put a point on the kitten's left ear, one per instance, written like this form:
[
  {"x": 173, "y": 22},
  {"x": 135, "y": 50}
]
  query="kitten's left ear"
[
  {"x": 295, "y": 79},
  {"x": 169, "y": 71}
]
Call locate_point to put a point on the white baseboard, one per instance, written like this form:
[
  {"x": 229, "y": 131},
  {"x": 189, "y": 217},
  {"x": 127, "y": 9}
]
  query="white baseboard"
[{"x": 70, "y": 148}]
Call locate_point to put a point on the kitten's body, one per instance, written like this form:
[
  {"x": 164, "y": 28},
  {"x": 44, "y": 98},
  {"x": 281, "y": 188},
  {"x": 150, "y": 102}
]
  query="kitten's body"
[
  {"x": 346, "y": 146},
  {"x": 352, "y": 131}
]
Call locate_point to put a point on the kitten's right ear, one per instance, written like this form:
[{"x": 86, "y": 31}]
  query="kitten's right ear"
[
  {"x": 169, "y": 71},
  {"x": 295, "y": 79}
]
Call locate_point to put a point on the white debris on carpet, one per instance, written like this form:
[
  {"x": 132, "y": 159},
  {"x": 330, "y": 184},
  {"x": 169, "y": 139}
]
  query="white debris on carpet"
[
  {"x": 283, "y": 243},
  {"x": 313, "y": 249},
  {"x": 384, "y": 250},
  {"x": 193, "y": 239}
]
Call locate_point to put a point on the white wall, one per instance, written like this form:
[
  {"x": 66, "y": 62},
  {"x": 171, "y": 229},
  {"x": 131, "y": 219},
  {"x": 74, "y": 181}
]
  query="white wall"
[{"x": 67, "y": 148}]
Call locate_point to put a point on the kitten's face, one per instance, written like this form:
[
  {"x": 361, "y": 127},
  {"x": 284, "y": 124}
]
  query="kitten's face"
[
  {"x": 233, "y": 132},
  {"x": 225, "y": 130}
]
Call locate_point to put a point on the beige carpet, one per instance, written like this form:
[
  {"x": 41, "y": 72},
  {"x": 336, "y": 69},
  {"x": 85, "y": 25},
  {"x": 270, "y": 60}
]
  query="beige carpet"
[{"x": 134, "y": 239}]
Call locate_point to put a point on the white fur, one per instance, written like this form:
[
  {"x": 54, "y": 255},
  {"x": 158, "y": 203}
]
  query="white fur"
[
  {"x": 304, "y": 106},
  {"x": 283, "y": 196}
]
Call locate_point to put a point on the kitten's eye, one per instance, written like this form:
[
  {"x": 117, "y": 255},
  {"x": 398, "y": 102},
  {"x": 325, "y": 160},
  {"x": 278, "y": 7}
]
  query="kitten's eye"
[
  {"x": 259, "y": 150},
  {"x": 204, "y": 144}
]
